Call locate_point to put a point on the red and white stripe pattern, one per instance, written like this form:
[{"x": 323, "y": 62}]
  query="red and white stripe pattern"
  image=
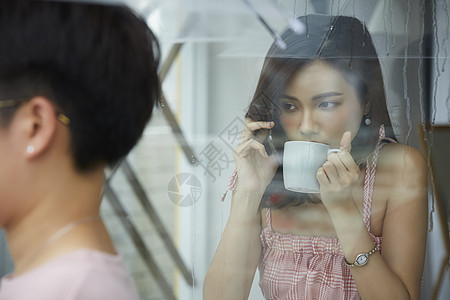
[
  {"x": 302, "y": 267},
  {"x": 369, "y": 180},
  {"x": 231, "y": 184}
]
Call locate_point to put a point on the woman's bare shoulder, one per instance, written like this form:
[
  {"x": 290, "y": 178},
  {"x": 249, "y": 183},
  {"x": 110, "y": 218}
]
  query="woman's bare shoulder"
[
  {"x": 401, "y": 158},
  {"x": 405, "y": 167}
]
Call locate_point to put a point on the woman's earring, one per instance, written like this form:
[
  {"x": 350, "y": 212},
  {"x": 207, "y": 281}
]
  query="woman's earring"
[
  {"x": 367, "y": 120},
  {"x": 30, "y": 149}
]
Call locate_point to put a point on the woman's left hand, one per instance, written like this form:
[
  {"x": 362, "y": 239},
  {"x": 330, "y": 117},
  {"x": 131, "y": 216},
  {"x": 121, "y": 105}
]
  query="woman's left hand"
[{"x": 338, "y": 175}]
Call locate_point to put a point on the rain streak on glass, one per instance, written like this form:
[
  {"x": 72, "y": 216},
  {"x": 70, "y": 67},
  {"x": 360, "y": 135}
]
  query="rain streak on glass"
[{"x": 405, "y": 77}]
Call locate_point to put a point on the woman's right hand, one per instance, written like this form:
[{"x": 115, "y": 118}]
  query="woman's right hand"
[{"x": 255, "y": 168}]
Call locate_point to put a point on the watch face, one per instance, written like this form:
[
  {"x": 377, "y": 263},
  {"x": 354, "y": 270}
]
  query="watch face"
[{"x": 361, "y": 259}]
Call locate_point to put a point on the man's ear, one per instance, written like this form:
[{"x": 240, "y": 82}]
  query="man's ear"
[{"x": 40, "y": 125}]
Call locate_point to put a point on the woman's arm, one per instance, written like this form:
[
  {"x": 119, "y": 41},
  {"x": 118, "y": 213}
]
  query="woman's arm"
[
  {"x": 397, "y": 272},
  {"x": 233, "y": 267},
  {"x": 405, "y": 221},
  {"x": 230, "y": 275}
]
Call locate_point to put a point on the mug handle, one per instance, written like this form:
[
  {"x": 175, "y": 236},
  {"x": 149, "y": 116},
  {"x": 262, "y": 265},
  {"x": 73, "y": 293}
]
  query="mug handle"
[{"x": 333, "y": 151}]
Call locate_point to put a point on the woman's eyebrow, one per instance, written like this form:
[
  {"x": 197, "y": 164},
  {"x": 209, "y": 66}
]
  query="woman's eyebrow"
[
  {"x": 326, "y": 95},
  {"x": 289, "y": 97}
]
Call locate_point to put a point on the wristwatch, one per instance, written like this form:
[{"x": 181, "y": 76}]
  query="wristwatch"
[{"x": 361, "y": 259}]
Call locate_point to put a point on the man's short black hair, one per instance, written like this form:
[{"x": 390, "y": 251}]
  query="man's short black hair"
[{"x": 96, "y": 63}]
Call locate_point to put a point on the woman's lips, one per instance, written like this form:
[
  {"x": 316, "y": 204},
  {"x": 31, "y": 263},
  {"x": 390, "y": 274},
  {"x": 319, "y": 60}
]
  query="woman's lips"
[{"x": 313, "y": 141}]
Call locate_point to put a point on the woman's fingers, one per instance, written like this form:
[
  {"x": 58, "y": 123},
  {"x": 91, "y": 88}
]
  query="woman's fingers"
[
  {"x": 345, "y": 169},
  {"x": 330, "y": 171},
  {"x": 322, "y": 177},
  {"x": 251, "y": 126},
  {"x": 346, "y": 142},
  {"x": 255, "y": 125},
  {"x": 244, "y": 149},
  {"x": 343, "y": 161}
]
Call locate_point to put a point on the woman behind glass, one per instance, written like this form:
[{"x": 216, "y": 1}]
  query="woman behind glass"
[{"x": 326, "y": 87}]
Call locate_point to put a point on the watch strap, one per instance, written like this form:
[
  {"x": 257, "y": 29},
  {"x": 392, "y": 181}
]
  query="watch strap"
[{"x": 362, "y": 258}]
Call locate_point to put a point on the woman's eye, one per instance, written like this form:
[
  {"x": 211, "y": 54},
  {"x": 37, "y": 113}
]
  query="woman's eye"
[
  {"x": 327, "y": 104},
  {"x": 288, "y": 107}
]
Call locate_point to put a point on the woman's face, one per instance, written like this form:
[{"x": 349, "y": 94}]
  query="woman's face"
[
  {"x": 10, "y": 170},
  {"x": 319, "y": 105}
]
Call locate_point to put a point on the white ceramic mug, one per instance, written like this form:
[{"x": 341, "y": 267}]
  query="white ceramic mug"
[{"x": 301, "y": 160}]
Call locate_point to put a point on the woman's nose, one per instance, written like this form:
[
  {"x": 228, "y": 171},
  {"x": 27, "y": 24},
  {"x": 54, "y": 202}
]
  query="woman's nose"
[{"x": 307, "y": 127}]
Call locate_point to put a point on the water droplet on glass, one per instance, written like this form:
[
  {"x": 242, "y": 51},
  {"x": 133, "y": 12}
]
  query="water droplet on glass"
[{"x": 405, "y": 78}]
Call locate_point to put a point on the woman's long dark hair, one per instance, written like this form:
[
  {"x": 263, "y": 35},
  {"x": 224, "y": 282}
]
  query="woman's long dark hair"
[{"x": 343, "y": 43}]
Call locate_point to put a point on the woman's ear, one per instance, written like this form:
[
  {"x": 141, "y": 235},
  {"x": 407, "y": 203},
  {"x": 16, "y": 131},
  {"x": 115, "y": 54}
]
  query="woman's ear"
[{"x": 40, "y": 125}]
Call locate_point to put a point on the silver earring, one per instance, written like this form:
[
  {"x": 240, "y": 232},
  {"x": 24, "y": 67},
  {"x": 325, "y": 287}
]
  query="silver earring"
[
  {"x": 367, "y": 120},
  {"x": 30, "y": 149}
]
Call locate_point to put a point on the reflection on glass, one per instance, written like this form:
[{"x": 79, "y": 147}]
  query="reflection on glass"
[{"x": 363, "y": 234}]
